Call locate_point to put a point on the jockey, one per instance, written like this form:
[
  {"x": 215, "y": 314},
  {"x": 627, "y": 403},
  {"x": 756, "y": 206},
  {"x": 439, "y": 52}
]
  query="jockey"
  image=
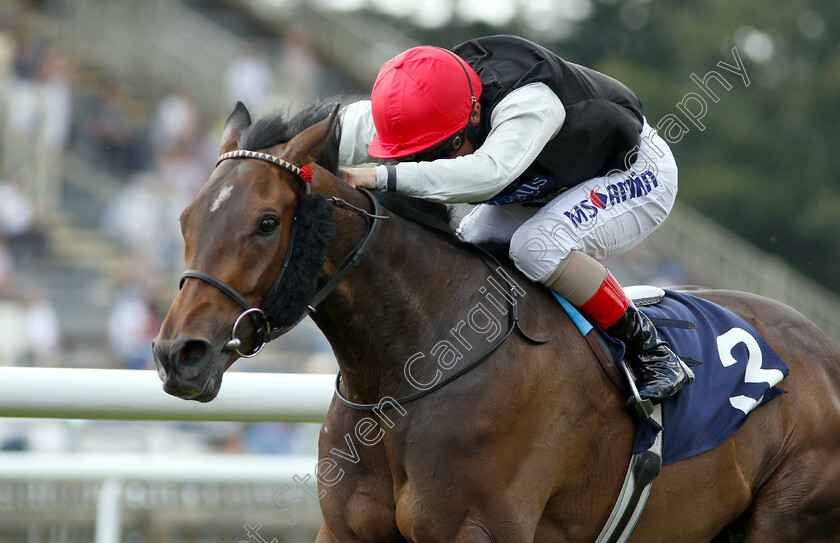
[{"x": 557, "y": 158}]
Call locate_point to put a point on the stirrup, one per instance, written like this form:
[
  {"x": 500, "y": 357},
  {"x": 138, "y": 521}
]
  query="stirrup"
[{"x": 642, "y": 406}]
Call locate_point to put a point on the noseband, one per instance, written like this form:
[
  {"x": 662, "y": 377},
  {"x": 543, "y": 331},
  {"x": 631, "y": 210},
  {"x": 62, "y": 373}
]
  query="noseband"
[{"x": 262, "y": 325}]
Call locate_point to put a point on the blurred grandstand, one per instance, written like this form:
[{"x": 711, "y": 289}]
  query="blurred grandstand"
[{"x": 110, "y": 117}]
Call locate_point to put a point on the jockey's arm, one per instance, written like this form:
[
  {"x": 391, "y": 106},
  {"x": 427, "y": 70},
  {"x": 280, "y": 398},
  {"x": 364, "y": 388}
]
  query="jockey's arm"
[
  {"x": 521, "y": 124},
  {"x": 357, "y": 131}
]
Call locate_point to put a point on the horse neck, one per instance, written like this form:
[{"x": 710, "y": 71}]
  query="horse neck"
[{"x": 392, "y": 305}]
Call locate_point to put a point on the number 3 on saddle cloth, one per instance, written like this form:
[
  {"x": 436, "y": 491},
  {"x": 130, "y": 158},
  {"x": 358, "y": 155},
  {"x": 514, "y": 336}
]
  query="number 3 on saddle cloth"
[{"x": 738, "y": 372}]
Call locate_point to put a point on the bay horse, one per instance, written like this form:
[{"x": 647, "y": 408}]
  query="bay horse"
[{"x": 530, "y": 445}]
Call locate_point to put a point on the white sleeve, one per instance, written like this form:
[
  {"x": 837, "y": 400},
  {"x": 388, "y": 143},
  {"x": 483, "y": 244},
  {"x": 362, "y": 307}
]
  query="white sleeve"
[
  {"x": 521, "y": 125},
  {"x": 357, "y": 131}
]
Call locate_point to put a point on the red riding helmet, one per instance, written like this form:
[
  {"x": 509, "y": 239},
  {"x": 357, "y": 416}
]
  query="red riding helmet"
[{"x": 421, "y": 97}]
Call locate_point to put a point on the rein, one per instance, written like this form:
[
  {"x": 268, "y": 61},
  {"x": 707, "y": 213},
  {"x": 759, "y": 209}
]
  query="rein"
[
  {"x": 408, "y": 212},
  {"x": 262, "y": 325},
  {"x": 514, "y": 325}
]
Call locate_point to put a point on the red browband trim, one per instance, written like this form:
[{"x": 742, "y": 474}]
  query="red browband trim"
[{"x": 306, "y": 173}]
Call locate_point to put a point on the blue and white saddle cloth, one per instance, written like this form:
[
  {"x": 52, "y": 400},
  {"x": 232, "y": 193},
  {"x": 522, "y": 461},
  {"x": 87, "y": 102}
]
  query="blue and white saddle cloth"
[{"x": 738, "y": 372}]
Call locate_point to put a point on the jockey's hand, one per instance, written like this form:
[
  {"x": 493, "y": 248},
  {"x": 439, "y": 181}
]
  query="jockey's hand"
[{"x": 359, "y": 177}]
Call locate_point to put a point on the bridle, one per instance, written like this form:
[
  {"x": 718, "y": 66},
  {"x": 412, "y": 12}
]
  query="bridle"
[{"x": 262, "y": 325}]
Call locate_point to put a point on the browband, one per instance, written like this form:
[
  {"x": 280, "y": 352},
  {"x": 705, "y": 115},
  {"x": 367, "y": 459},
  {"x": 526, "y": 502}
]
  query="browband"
[{"x": 304, "y": 172}]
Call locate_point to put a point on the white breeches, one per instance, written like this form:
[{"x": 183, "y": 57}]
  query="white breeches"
[{"x": 602, "y": 217}]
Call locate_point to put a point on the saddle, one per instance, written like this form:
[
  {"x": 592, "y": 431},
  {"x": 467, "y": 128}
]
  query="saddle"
[{"x": 739, "y": 374}]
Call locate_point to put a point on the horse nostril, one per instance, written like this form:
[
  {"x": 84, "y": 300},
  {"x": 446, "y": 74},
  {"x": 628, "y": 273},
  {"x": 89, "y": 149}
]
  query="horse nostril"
[{"x": 192, "y": 353}]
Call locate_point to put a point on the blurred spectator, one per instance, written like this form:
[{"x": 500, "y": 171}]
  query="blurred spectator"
[
  {"x": 22, "y": 108},
  {"x": 15, "y": 207},
  {"x": 54, "y": 78},
  {"x": 144, "y": 217},
  {"x": 249, "y": 79},
  {"x": 131, "y": 328},
  {"x": 7, "y": 58},
  {"x": 12, "y": 336},
  {"x": 17, "y": 219},
  {"x": 43, "y": 333},
  {"x": 135, "y": 216},
  {"x": 180, "y": 175},
  {"x": 12, "y": 333},
  {"x": 302, "y": 72},
  {"x": 28, "y": 53},
  {"x": 7, "y": 269},
  {"x": 176, "y": 123},
  {"x": 110, "y": 139},
  {"x": 40, "y": 117}
]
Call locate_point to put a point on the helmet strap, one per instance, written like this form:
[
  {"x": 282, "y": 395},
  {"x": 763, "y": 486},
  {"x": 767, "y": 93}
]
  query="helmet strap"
[{"x": 461, "y": 63}]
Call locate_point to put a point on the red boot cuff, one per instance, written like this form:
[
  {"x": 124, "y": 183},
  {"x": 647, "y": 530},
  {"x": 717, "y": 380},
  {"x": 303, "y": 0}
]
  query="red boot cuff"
[{"x": 608, "y": 304}]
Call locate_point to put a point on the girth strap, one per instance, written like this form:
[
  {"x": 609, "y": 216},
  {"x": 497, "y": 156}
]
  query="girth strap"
[
  {"x": 398, "y": 206},
  {"x": 643, "y": 469},
  {"x": 514, "y": 325}
]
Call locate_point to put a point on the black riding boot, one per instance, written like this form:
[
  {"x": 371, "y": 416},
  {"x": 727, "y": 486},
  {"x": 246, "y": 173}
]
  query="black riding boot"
[{"x": 660, "y": 372}]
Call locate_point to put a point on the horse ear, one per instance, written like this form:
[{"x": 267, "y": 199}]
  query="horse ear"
[
  {"x": 306, "y": 146},
  {"x": 238, "y": 121}
]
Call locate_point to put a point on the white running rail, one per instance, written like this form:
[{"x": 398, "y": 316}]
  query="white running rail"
[{"x": 98, "y": 394}]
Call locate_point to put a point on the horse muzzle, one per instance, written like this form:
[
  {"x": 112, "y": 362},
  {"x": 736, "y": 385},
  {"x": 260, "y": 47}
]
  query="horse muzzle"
[{"x": 188, "y": 368}]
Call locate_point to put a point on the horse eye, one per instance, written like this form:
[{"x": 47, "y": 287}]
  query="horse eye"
[{"x": 268, "y": 225}]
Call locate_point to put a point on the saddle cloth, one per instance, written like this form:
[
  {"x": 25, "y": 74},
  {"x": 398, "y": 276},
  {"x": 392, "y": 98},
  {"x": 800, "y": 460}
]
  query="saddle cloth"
[{"x": 738, "y": 372}]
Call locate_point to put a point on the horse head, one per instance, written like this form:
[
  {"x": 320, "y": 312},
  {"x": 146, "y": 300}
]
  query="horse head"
[{"x": 240, "y": 234}]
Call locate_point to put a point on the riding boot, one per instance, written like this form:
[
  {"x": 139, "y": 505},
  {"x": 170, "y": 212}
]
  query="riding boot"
[{"x": 660, "y": 372}]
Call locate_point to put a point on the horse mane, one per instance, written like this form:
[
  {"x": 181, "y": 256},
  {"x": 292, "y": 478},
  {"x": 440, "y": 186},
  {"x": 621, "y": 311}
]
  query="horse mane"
[{"x": 274, "y": 128}]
